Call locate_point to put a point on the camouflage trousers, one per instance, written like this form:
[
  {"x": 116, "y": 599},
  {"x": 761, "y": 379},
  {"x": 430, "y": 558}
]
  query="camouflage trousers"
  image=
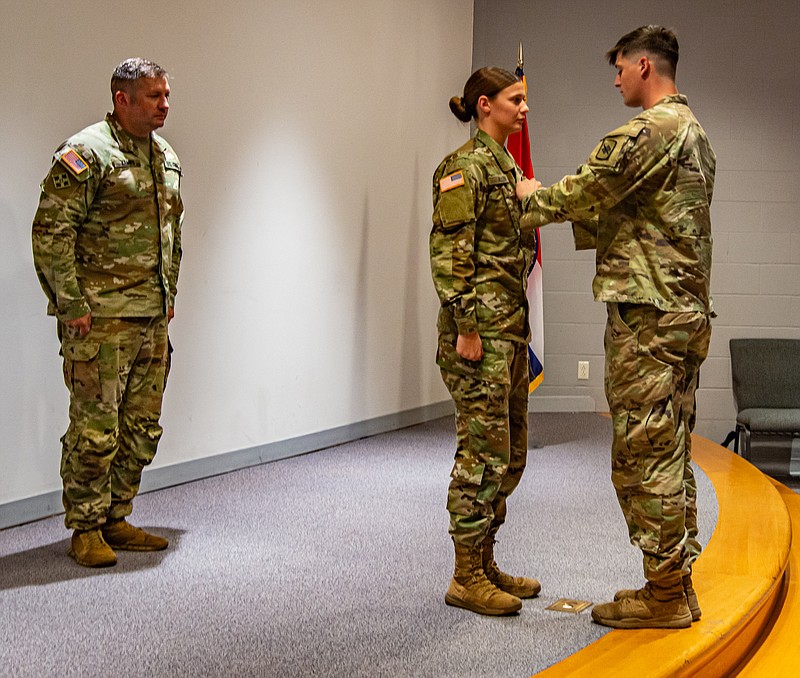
[
  {"x": 116, "y": 377},
  {"x": 653, "y": 361},
  {"x": 491, "y": 402}
]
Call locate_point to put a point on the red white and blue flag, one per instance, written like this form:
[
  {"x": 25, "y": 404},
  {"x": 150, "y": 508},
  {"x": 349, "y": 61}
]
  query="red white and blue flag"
[{"x": 519, "y": 145}]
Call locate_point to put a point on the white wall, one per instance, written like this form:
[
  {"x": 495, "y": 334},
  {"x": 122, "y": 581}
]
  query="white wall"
[
  {"x": 740, "y": 68},
  {"x": 308, "y": 132}
]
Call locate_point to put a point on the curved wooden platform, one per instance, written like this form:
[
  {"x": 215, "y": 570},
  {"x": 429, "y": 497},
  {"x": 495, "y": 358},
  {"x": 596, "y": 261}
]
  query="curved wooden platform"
[
  {"x": 778, "y": 653},
  {"x": 741, "y": 579}
]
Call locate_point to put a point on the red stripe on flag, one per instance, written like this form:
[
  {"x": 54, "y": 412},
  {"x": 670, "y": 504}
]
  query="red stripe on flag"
[{"x": 519, "y": 146}]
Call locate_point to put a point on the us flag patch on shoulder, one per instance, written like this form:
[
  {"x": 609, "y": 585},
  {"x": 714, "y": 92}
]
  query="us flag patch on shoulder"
[
  {"x": 74, "y": 161},
  {"x": 453, "y": 180}
]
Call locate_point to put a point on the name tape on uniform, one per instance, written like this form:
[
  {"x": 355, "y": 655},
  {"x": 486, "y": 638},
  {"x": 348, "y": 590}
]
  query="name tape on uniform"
[{"x": 451, "y": 181}]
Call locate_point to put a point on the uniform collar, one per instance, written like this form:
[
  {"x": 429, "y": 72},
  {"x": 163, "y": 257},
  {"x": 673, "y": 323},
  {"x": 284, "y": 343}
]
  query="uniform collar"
[
  {"x": 500, "y": 154},
  {"x": 673, "y": 99},
  {"x": 125, "y": 140}
]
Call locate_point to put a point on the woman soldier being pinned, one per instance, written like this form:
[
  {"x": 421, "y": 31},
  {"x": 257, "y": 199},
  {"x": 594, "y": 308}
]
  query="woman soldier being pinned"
[{"x": 480, "y": 260}]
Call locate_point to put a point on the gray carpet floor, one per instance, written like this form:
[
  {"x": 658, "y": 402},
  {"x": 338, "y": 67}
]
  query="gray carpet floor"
[{"x": 330, "y": 564}]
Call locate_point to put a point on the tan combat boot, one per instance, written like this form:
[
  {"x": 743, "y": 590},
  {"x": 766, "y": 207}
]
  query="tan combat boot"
[
  {"x": 471, "y": 590},
  {"x": 521, "y": 587},
  {"x": 123, "y": 536},
  {"x": 691, "y": 597},
  {"x": 648, "y": 608},
  {"x": 89, "y": 549},
  {"x": 688, "y": 589}
]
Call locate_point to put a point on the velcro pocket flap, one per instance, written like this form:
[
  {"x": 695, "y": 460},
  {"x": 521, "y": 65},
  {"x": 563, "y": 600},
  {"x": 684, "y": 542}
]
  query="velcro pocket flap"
[
  {"x": 456, "y": 207},
  {"x": 80, "y": 350}
]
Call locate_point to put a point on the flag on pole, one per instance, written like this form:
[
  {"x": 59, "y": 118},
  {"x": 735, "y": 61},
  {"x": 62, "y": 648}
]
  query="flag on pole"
[{"x": 519, "y": 145}]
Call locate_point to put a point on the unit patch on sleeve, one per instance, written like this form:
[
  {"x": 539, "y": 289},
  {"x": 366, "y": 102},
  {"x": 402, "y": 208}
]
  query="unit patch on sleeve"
[
  {"x": 605, "y": 149},
  {"x": 453, "y": 180},
  {"x": 74, "y": 162},
  {"x": 610, "y": 151},
  {"x": 61, "y": 180}
]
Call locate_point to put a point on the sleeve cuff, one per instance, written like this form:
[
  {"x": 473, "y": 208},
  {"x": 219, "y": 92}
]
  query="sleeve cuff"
[
  {"x": 76, "y": 309},
  {"x": 467, "y": 325}
]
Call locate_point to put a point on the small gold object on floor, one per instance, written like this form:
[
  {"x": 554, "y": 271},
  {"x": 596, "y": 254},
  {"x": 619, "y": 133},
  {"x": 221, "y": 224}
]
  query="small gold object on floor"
[{"x": 569, "y": 605}]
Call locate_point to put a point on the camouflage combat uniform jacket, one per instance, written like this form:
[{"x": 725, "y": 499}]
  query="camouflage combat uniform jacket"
[
  {"x": 643, "y": 201},
  {"x": 107, "y": 233},
  {"x": 480, "y": 255}
]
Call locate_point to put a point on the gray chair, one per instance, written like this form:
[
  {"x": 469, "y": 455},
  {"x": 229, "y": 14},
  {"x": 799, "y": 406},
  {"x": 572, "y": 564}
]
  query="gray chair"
[{"x": 766, "y": 390}]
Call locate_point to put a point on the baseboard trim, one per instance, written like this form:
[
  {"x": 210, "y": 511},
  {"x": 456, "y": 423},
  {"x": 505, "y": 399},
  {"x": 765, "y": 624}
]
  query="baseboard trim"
[
  {"x": 49, "y": 504},
  {"x": 552, "y": 403}
]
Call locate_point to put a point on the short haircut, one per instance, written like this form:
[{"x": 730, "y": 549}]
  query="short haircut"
[
  {"x": 130, "y": 71},
  {"x": 487, "y": 81},
  {"x": 655, "y": 41}
]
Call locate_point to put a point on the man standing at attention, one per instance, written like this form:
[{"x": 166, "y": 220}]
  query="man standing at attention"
[
  {"x": 107, "y": 248},
  {"x": 642, "y": 200}
]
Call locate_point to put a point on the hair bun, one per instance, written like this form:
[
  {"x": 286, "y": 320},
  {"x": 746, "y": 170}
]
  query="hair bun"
[{"x": 459, "y": 108}]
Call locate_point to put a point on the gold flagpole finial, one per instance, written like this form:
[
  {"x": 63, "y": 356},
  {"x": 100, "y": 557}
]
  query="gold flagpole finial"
[{"x": 520, "y": 61}]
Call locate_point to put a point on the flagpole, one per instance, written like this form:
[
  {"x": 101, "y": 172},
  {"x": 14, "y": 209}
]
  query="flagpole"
[{"x": 519, "y": 146}]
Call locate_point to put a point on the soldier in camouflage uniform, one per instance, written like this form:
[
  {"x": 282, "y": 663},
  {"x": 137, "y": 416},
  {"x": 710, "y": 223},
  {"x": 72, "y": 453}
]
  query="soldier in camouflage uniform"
[
  {"x": 107, "y": 248},
  {"x": 642, "y": 200},
  {"x": 480, "y": 258}
]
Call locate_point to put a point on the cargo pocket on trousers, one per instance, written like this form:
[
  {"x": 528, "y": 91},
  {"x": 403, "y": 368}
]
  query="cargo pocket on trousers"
[
  {"x": 81, "y": 367},
  {"x": 497, "y": 357},
  {"x": 468, "y": 471}
]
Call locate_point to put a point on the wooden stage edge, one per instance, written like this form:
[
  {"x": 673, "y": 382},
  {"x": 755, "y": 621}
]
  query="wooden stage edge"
[
  {"x": 778, "y": 653},
  {"x": 742, "y": 582}
]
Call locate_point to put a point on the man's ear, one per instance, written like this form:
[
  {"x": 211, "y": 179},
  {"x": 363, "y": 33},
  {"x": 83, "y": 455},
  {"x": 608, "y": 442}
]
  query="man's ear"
[
  {"x": 121, "y": 98},
  {"x": 645, "y": 67}
]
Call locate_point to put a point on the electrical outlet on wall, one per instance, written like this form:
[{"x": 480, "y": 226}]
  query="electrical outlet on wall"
[{"x": 583, "y": 369}]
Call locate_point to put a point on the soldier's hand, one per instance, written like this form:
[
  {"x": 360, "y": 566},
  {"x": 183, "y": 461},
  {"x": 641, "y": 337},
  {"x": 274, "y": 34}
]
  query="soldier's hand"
[
  {"x": 469, "y": 346},
  {"x": 82, "y": 324},
  {"x": 527, "y": 186}
]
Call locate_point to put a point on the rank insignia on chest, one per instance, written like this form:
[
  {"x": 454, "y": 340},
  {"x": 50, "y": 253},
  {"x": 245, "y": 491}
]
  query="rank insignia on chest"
[
  {"x": 61, "y": 180},
  {"x": 74, "y": 161},
  {"x": 453, "y": 180}
]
